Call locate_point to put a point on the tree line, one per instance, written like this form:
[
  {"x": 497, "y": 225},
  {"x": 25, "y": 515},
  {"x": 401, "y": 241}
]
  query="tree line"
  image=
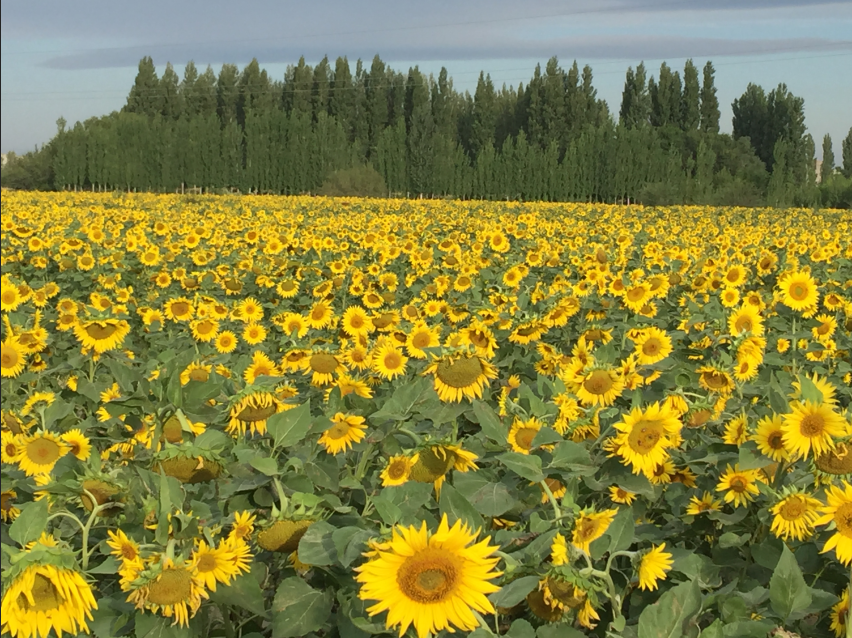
[{"x": 551, "y": 139}]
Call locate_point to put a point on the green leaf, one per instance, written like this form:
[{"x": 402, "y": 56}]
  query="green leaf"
[
  {"x": 810, "y": 392},
  {"x": 730, "y": 539},
  {"x": 389, "y": 511},
  {"x": 265, "y": 464},
  {"x": 513, "y": 593},
  {"x": 31, "y": 522},
  {"x": 489, "y": 422},
  {"x": 317, "y": 545},
  {"x": 152, "y": 626},
  {"x": 244, "y": 591},
  {"x": 527, "y": 466},
  {"x": 546, "y": 436},
  {"x": 788, "y": 592},
  {"x": 570, "y": 455},
  {"x": 299, "y": 609},
  {"x": 123, "y": 374},
  {"x": 521, "y": 629},
  {"x": 489, "y": 499},
  {"x": 457, "y": 507},
  {"x": 621, "y": 530},
  {"x": 750, "y": 458},
  {"x": 668, "y": 617},
  {"x": 349, "y": 543},
  {"x": 108, "y": 566},
  {"x": 561, "y": 630},
  {"x": 290, "y": 427}
]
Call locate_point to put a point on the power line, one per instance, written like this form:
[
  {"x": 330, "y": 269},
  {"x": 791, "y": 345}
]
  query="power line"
[{"x": 86, "y": 95}]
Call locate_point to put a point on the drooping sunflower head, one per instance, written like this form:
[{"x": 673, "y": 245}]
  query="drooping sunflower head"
[
  {"x": 461, "y": 377},
  {"x": 283, "y": 535},
  {"x": 101, "y": 335},
  {"x": 345, "y": 429},
  {"x": 172, "y": 588},
  {"x": 833, "y": 465},
  {"x": 44, "y": 597}
]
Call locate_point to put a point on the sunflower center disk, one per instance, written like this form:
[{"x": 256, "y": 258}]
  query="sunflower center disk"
[
  {"x": 651, "y": 347},
  {"x": 45, "y": 595},
  {"x": 843, "y": 519},
  {"x": 799, "y": 292},
  {"x": 644, "y": 436},
  {"x": 460, "y": 374},
  {"x": 420, "y": 340},
  {"x": 101, "y": 331},
  {"x": 428, "y": 577},
  {"x": 793, "y": 509},
  {"x": 812, "y": 425},
  {"x": 837, "y": 461},
  {"x": 598, "y": 383},
  {"x": 525, "y": 436},
  {"x": 323, "y": 363},
  {"x": 338, "y": 431},
  {"x": 206, "y": 563},
  {"x": 738, "y": 485},
  {"x": 173, "y": 586},
  {"x": 396, "y": 470},
  {"x": 43, "y": 451}
]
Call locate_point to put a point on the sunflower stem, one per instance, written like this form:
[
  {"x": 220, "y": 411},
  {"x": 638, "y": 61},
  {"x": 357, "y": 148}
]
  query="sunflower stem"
[
  {"x": 93, "y": 515},
  {"x": 362, "y": 464},
  {"x": 279, "y": 489},
  {"x": 779, "y": 476},
  {"x": 556, "y": 511},
  {"x": 411, "y": 435},
  {"x": 227, "y": 625}
]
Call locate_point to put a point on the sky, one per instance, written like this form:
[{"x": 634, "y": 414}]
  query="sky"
[{"x": 79, "y": 59}]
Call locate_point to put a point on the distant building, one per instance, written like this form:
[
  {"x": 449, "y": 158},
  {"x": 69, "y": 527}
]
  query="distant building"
[
  {"x": 4, "y": 158},
  {"x": 818, "y": 167}
]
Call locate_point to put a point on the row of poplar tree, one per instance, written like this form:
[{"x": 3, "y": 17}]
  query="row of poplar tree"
[{"x": 552, "y": 139}]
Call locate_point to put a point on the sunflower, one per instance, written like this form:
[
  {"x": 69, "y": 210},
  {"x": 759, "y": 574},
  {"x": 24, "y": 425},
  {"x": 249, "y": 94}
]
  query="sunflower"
[
  {"x": 653, "y": 566},
  {"x": 13, "y": 357},
  {"x": 196, "y": 371},
  {"x": 123, "y": 547},
  {"x": 388, "y": 361},
  {"x": 356, "y": 322},
  {"x": 226, "y": 342},
  {"x": 826, "y": 390},
  {"x": 287, "y": 288},
  {"x": 40, "y": 452},
  {"x": 11, "y": 297},
  {"x": 715, "y": 380},
  {"x": 432, "y": 464},
  {"x": 292, "y": 323},
  {"x": 322, "y": 366},
  {"x": 12, "y": 447},
  {"x": 243, "y": 526},
  {"x": 833, "y": 464},
  {"x": 746, "y": 320},
  {"x": 179, "y": 309},
  {"x": 251, "y": 412},
  {"x": 422, "y": 336},
  {"x": 254, "y": 333},
  {"x": 838, "y": 510},
  {"x": 214, "y": 565},
  {"x": 840, "y": 615},
  {"x": 432, "y": 581},
  {"x": 769, "y": 437},
  {"x": 45, "y": 597},
  {"x": 320, "y": 315},
  {"x": 170, "y": 588},
  {"x": 621, "y": 495},
  {"x": 283, "y": 535},
  {"x": 559, "y": 554},
  {"x": 204, "y": 330},
  {"x": 704, "y": 504},
  {"x": 8, "y": 511},
  {"x": 645, "y": 435},
  {"x": 461, "y": 377},
  {"x": 810, "y": 427},
  {"x": 347, "y": 429},
  {"x": 260, "y": 366},
  {"x": 522, "y": 433},
  {"x": 600, "y": 386},
  {"x": 79, "y": 444},
  {"x": 736, "y": 431},
  {"x": 101, "y": 335},
  {"x": 590, "y": 526},
  {"x": 795, "y": 515},
  {"x": 398, "y": 470},
  {"x": 249, "y": 310},
  {"x": 652, "y": 346},
  {"x": 798, "y": 290},
  {"x": 739, "y": 486}
]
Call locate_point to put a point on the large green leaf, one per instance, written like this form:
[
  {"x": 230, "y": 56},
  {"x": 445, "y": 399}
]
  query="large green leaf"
[
  {"x": 788, "y": 591},
  {"x": 244, "y": 591},
  {"x": 489, "y": 498},
  {"x": 527, "y": 466},
  {"x": 290, "y": 427},
  {"x": 154, "y": 626},
  {"x": 317, "y": 545},
  {"x": 457, "y": 507},
  {"x": 489, "y": 422},
  {"x": 621, "y": 530},
  {"x": 513, "y": 593},
  {"x": 669, "y": 617},
  {"x": 299, "y": 609},
  {"x": 31, "y": 522}
]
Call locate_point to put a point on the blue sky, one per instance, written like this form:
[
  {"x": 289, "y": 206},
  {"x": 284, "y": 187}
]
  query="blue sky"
[{"x": 78, "y": 60}]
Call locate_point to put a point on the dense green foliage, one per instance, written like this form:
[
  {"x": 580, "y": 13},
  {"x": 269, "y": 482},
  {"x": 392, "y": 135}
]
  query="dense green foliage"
[{"x": 552, "y": 139}]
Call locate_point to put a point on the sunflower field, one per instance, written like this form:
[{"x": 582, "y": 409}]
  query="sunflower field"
[{"x": 275, "y": 417}]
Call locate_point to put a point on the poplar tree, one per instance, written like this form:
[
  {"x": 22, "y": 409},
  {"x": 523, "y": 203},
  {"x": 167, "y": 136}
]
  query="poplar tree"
[{"x": 827, "y": 167}]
